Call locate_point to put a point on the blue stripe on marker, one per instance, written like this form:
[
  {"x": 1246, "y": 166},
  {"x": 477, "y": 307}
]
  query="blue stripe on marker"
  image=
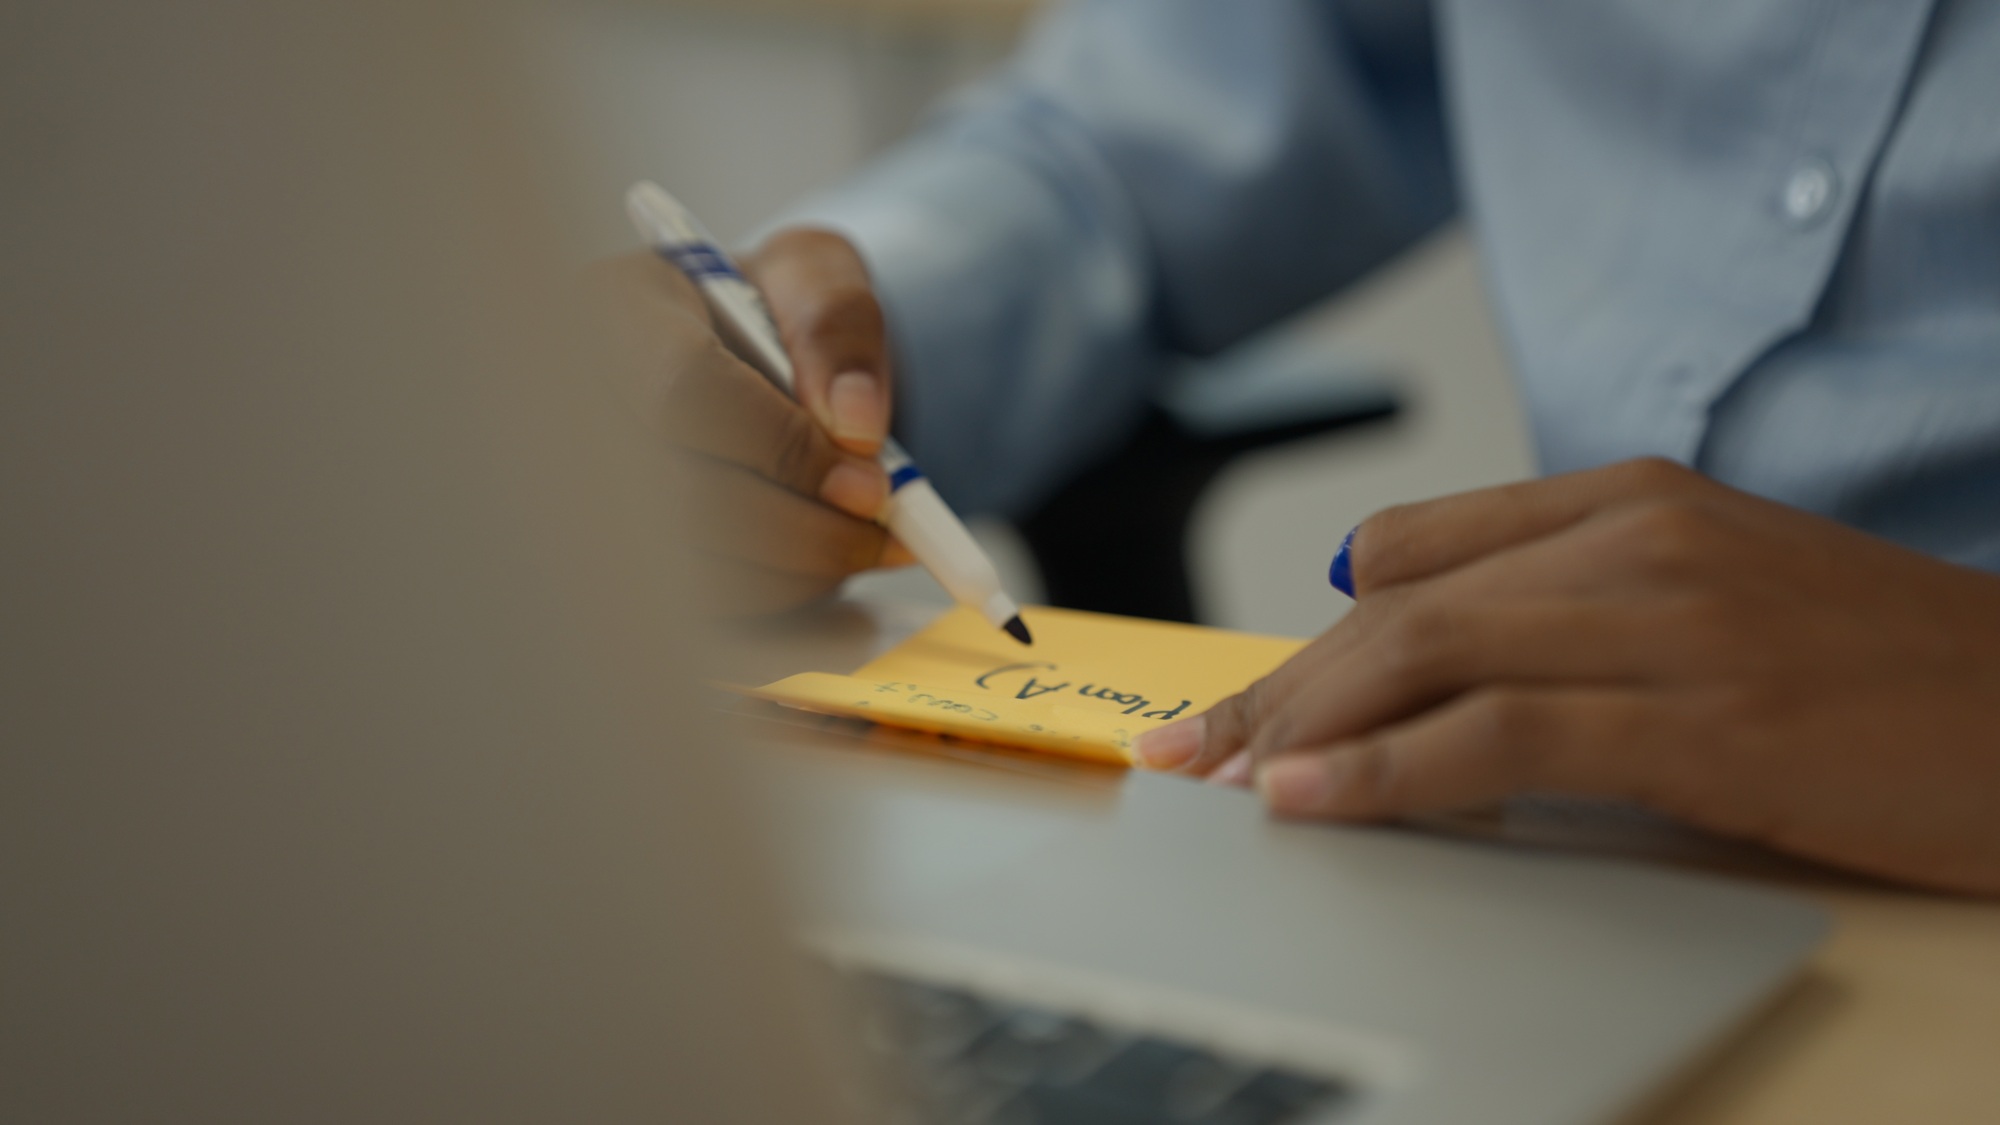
[
  {"x": 908, "y": 474},
  {"x": 700, "y": 261}
]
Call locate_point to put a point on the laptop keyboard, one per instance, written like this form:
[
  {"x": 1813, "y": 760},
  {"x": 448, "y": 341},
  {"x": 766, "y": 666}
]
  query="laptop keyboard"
[{"x": 955, "y": 1058}]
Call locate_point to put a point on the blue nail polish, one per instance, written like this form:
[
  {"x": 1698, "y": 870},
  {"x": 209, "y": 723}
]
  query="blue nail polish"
[{"x": 1342, "y": 574}]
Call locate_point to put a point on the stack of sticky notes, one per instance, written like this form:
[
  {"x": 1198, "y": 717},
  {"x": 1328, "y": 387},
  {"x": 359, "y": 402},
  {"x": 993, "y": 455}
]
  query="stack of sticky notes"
[{"x": 1090, "y": 685}]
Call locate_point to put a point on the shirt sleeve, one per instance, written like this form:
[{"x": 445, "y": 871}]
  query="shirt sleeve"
[{"x": 1147, "y": 178}]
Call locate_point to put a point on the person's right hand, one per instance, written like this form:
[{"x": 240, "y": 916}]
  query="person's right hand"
[{"x": 780, "y": 495}]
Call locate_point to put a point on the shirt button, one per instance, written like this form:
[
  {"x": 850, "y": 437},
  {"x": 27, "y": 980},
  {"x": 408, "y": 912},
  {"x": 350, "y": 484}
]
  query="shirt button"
[{"x": 1810, "y": 191}]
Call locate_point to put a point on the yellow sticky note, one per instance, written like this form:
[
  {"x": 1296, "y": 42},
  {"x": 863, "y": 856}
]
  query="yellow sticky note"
[{"x": 1090, "y": 684}]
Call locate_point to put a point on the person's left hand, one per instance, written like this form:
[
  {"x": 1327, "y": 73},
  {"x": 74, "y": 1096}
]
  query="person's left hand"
[{"x": 1641, "y": 632}]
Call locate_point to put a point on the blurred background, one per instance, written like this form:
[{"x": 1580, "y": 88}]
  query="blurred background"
[{"x": 742, "y": 107}]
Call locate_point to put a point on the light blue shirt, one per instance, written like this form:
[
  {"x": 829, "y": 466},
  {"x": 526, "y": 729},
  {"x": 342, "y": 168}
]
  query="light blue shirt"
[{"x": 1761, "y": 237}]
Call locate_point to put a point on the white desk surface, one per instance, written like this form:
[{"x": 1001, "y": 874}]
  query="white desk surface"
[{"x": 1896, "y": 1019}]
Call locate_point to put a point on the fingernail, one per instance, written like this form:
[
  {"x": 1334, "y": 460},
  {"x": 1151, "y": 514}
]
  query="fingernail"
[
  {"x": 1342, "y": 574},
  {"x": 1236, "y": 771},
  {"x": 856, "y": 487},
  {"x": 1297, "y": 784},
  {"x": 860, "y": 415},
  {"x": 1171, "y": 746}
]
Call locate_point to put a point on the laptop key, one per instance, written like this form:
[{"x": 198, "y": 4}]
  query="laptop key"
[
  {"x": 1275, "y": 1097},
  {"x": 1034, "y": 1045},
  {"x": 1148, "y": 1073},
  {"x": 924, "y": 1021},
  {"x": 1201, "y": 1085},
  {"x": 967, "y": 1061},
  {"x": 1166, "y": 1083},
  {"x": 1057, "y": 1105}
]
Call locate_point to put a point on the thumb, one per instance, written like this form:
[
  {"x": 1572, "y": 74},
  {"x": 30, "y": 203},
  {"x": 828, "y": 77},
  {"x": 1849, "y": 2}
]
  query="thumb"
[{"x": 834, "y": 330}]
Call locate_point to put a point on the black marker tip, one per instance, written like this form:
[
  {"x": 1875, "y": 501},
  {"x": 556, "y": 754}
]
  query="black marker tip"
[{"x": 1019, "y": 631}]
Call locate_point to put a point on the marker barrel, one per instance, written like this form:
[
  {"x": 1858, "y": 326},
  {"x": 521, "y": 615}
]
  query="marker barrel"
[{"x": 918, "y": 516}]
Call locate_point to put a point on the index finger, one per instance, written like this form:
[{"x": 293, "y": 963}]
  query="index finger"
[
  {"x": 834, "y": 329},
  {"x": 1199, "y": 744},
  {"x": 1418, "y": 541},
  {"x": 720, "y": 406}
]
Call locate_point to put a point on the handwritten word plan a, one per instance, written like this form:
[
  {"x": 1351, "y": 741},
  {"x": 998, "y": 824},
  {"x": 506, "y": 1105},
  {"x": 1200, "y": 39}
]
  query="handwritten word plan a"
[{"x": 1097, "y": 682}]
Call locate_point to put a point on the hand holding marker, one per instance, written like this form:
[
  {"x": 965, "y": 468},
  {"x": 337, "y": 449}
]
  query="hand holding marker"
[{"x": 915, "y": 514}]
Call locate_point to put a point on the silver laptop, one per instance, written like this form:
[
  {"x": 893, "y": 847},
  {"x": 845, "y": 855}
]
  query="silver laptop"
[
  {"x": 1067, "y": 946},
  {"x": 350, "y": 780}
]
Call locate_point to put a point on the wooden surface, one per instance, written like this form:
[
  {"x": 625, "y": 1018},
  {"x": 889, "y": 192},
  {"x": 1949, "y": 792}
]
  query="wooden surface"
[{"x": 1897, "y": 1019}]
